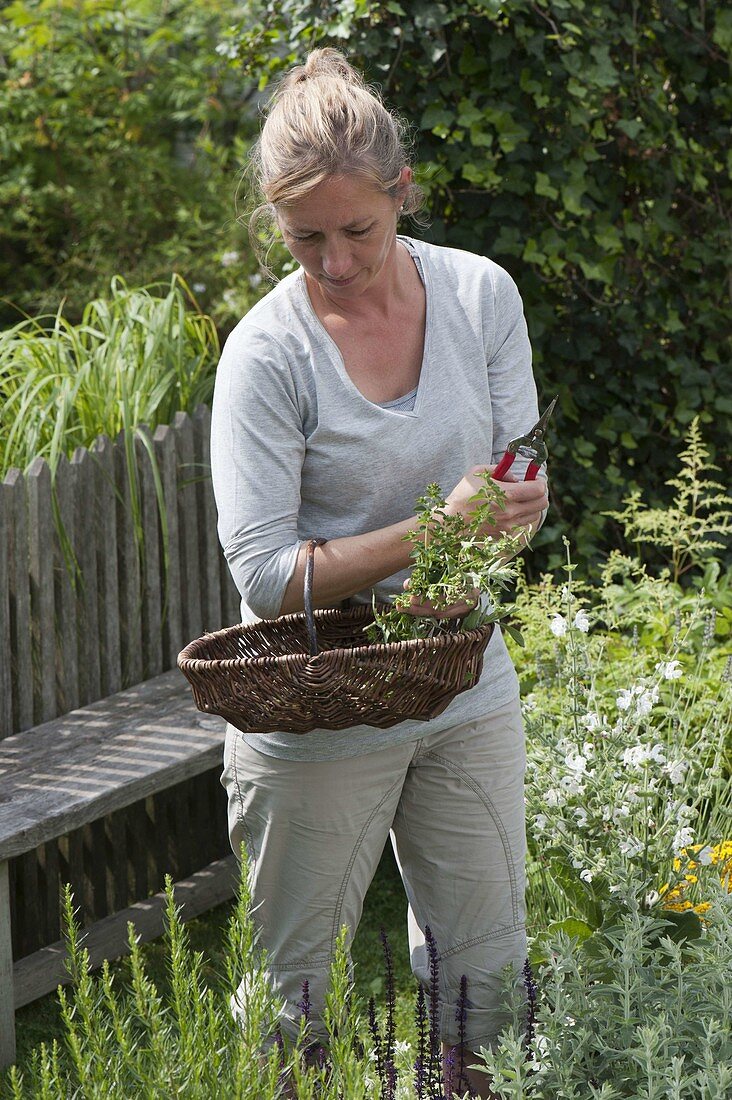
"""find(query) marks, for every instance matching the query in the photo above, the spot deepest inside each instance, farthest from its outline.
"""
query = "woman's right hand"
(524, 504)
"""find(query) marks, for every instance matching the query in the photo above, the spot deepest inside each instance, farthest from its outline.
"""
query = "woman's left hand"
(453, 611)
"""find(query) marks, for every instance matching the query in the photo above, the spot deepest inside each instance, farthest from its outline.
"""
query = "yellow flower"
(720, 857)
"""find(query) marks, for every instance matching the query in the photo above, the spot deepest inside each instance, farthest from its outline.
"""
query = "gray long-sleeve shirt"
(298, 452)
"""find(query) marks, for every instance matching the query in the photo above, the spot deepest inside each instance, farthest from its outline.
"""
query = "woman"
(380, 365)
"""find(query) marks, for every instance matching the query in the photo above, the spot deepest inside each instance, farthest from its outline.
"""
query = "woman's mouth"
(340, 282)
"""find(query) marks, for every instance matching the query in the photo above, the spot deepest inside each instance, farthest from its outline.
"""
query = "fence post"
(64, 568)
(164, 441)
(190, 566)
(6, 685)
(128, 561)
(16, 508)
(208, 543)
(89, 525)
(40, 569)
(152, 627)
(105, 501)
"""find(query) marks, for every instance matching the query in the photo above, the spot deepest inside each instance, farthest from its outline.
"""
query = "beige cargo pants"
(453, 803)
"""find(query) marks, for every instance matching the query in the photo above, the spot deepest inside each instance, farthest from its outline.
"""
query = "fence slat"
(190, 568)
(152, 629)
(40, 569)
(128, 564)
(110, 646)
(15, 503)
(164, 442)
(6, 687)
(86, 528)
(209, 550)
(64, 577)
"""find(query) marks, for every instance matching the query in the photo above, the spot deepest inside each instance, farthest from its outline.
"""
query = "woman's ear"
(405, 179)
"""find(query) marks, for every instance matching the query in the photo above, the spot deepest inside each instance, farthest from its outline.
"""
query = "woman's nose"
(336, 259)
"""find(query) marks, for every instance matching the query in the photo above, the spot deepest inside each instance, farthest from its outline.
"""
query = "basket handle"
(309, 565)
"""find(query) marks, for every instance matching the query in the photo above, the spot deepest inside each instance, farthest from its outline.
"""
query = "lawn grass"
(385, 907)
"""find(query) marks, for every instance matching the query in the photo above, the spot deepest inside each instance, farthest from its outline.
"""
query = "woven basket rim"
(375, 649)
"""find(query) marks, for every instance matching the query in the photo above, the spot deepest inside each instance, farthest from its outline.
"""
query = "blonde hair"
(323, 121)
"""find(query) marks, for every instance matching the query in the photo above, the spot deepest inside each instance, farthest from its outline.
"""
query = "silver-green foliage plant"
(639, 1015)
(453, 561)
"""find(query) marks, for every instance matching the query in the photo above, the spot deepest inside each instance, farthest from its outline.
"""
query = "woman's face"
(343, 233)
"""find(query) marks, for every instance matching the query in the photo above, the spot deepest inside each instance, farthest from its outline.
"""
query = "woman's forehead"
(340, 202)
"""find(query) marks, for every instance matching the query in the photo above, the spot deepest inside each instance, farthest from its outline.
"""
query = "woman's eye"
(307, 237)
(359, 232)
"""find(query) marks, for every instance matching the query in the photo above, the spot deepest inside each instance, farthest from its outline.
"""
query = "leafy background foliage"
(583, 146)
(122, 133)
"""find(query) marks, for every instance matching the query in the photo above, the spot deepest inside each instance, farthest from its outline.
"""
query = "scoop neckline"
(411, 246)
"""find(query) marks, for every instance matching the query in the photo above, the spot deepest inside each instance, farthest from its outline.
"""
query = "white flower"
(637, 756)
(581, 621)
(586, 875)
(581, 816)
(229, 298)
(576, 763)
(684, 839)
(198, 288)
(229, 258)
(705, 856)
(672, 670)
(625, 698)
(554, 797)
(652, 898)
(558, 626)
(227, 49)
(676, 770)
(255, 280)
(631, 846)
(646, 700)
(591, 721)
(541, 821)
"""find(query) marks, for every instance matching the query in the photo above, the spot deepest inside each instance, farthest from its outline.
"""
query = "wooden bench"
(84, 771)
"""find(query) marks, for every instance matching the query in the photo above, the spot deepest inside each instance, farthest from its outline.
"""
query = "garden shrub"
(123, 132)
(584, 146)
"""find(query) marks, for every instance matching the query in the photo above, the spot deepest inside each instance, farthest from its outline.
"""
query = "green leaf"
(544, 186)
(514, 633)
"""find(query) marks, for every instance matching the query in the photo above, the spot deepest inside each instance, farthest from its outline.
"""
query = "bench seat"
(74, 770)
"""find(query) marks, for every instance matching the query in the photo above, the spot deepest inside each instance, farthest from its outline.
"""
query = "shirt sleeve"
(257, 452)
(514, 401)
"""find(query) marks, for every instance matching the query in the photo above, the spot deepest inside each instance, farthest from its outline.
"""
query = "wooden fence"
(87, 605)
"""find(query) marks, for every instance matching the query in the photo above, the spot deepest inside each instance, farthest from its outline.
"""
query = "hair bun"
(325, 62)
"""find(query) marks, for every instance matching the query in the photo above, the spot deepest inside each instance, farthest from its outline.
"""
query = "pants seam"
(494, 934)
(495, 817)
(356, 848)
(241, 817)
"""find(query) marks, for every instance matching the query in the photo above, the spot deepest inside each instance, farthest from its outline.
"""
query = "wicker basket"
(315, 670)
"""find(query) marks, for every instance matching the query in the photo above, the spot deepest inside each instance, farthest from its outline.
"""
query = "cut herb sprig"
(453, 559)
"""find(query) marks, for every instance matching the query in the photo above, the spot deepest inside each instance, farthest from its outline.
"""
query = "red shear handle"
(503, 466)
(532, 471)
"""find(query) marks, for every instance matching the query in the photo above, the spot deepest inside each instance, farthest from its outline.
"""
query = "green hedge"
(123, 130)
(582, 145)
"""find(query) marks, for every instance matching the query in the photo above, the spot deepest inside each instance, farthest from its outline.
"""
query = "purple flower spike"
(531, 998)
(304, 1005)
(435, 1059)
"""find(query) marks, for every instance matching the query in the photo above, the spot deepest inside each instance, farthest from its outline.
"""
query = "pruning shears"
(531, 446)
